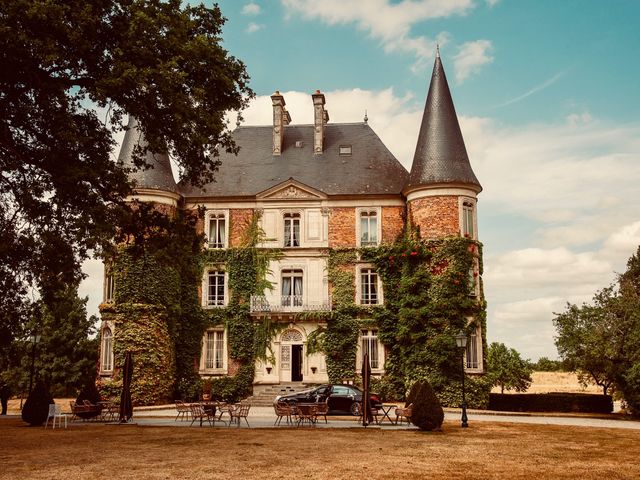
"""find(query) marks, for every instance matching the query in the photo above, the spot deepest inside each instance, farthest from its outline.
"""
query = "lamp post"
(34, 339)
(461, 341)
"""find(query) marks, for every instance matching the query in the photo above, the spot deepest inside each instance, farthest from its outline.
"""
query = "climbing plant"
(426, 286)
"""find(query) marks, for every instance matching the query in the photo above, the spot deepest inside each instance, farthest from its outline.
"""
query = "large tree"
(507, 369)
(601, 341)
(63, 61)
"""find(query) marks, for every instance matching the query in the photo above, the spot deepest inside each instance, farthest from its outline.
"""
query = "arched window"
(107, 350)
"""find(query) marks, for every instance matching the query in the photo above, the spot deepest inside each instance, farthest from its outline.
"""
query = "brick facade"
(392, 223)
(240, 220)
(435, 216)
(342, 227)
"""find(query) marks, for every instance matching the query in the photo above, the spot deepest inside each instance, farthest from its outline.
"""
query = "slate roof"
(440, 155)
(370, 169)
(160, 176)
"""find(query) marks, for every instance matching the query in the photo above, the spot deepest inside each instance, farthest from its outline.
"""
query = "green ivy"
(426, 303)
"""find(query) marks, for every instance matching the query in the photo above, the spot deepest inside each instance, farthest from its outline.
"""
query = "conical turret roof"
(440, 156)
(159, 176)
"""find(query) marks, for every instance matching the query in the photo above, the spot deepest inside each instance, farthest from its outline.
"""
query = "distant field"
(545, 382)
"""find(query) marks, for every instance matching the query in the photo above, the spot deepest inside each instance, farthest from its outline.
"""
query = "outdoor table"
(386, 410)
(209, 407)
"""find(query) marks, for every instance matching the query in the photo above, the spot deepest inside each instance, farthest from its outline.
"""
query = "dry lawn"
(500, 450)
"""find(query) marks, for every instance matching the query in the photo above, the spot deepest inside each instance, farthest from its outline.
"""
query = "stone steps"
(264, 395)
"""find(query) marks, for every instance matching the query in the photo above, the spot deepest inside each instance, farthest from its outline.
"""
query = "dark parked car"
(342, 398)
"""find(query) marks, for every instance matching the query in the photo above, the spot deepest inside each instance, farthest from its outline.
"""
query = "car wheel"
(356, 408)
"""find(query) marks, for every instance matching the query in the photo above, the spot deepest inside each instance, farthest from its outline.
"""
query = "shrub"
(426, 412)
(36, 408)
(89, 392)
(551, 402)
(386, 388)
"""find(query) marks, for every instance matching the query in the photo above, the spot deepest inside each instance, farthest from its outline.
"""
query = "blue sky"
(548, 99)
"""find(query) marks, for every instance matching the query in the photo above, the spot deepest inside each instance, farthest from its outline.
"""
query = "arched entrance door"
(291, 356)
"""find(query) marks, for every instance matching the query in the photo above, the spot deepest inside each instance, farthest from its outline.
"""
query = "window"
(368, 287)
(292, 230)
(368, 228)
(292, 288)
(215, 288)
(369, 345)
(472, 282)
(467, 220)
(214, 350)
(109, 288)
(345, 150)
(217, 231)
(106, 361)
(472, 352)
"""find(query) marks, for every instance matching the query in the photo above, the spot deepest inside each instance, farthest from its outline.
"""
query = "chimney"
(321, 117)
(280, 118)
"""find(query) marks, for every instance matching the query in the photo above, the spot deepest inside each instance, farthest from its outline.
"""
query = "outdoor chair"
(403, 414)
(183, 410)
(306, 413)
(199, 413)
(238, 412)
(283, 410)
(222, 408)
(322, 409)
(55, 411)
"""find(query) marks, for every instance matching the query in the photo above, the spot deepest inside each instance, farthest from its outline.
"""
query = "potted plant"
(206, 389)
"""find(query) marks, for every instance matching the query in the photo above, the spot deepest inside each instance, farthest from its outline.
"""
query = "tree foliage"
(160, 61)
(601, 341)
(545, 364)
(506, 369)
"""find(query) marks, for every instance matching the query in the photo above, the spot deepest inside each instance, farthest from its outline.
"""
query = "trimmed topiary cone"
(36, 408)
(426, 411)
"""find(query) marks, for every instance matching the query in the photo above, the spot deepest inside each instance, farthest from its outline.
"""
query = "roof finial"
(437, 50)
(366, 119)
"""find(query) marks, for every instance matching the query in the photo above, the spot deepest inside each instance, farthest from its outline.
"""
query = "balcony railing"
(288, 303)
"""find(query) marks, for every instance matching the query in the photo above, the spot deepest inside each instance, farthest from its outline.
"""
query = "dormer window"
(291, 229)
(345, 150)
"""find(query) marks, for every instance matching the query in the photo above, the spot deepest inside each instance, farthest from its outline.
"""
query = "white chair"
(55, 411)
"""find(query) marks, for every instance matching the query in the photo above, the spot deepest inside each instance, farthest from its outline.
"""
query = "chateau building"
(315, 188)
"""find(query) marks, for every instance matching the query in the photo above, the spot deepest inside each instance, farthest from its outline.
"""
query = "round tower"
(442, 188)
(153, 184)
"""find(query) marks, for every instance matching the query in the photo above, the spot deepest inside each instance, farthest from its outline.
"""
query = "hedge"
(551, 402)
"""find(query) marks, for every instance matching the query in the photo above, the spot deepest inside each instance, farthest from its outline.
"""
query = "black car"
(342, 398)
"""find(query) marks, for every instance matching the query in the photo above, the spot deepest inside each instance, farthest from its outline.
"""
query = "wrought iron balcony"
(288, 303)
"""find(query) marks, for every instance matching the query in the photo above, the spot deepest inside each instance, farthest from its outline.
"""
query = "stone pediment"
(291, 190)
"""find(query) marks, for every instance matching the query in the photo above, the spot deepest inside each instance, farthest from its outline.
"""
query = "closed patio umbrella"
(126, 407)
(367, 416)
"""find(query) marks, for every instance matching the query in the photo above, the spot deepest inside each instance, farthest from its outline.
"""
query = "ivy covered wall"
(427, 301)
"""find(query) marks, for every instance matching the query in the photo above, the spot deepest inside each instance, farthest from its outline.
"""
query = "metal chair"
(283, 410)
(238, 412)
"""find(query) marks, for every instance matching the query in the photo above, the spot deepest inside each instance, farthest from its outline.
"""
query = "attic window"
(299, 144)
(345, 149)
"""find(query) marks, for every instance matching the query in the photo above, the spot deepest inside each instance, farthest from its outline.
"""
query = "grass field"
(485, 450)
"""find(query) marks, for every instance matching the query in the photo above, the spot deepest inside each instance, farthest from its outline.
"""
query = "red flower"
(413, 254)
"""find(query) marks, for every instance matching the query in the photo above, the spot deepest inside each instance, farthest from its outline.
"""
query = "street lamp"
(461, 341)
(34, 339)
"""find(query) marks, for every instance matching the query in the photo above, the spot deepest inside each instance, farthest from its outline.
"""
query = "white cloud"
(386, 21)
(471, 57)
(251, 9)
(579, 118)
(254, 27)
